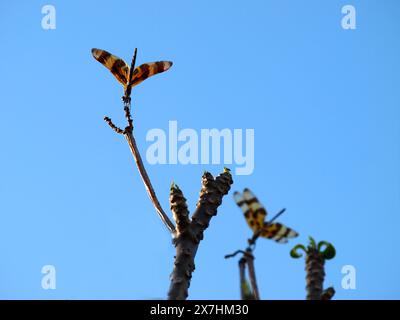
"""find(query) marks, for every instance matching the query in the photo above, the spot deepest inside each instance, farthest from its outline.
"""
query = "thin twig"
(253, 239)
(234, 254)
(128, 133)
(113, 126)
(128, 116)
(146, 180)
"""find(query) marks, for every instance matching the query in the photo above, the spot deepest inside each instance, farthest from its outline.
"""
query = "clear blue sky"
(324, 103)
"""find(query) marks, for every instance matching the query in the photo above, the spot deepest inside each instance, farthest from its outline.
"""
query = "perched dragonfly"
(121, 70)
(255, 215)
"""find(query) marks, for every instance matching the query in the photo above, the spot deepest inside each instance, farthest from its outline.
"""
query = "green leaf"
(329, 252)
(294, 252)
(313, 244)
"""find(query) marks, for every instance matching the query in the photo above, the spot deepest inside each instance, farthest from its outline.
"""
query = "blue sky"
(323, 103)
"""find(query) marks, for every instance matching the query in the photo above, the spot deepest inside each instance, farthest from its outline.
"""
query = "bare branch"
(113, 126)
(179, 209)
(146, 180)
(234, 254)
(128, 116)
(187, 242)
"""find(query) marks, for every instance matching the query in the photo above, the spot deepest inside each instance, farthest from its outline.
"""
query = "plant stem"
(252, 274)
(242, 277)
(146, 180)
(315, 274)
(188, 239)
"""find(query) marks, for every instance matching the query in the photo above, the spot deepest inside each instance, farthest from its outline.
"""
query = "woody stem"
(146, 180)
(315, 274)
(252, 274)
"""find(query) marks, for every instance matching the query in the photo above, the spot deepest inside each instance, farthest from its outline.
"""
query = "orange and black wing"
(253, 211)
(117, 66)
(147, 70)
(278, 232)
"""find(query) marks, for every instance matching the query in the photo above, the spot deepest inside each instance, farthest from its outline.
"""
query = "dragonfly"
(126, 75)
(255, 215)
